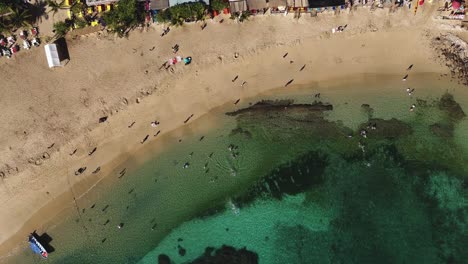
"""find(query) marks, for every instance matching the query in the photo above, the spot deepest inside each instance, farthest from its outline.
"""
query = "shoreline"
(197, 92)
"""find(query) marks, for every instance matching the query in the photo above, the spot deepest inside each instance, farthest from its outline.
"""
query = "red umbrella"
(456, 5)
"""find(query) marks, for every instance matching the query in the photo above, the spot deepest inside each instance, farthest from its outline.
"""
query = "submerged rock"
(281, 105)
(391, 128)
(227, 255)
(442, 130)
(164, 259)
(451, 107)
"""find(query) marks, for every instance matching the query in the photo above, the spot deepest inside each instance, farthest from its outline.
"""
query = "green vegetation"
(124, 17)
(54, 6)
(14, 14)
(219, 5)
(181, 13)
(61, 28)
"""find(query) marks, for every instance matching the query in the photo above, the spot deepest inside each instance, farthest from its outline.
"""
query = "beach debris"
(157, 133)
(188, 119)
(237, 101)
(406, 77)
(186, 165)
(92, 151)
(80, 171)
(119, 226)
(105, 208)
(73, 153)
(144, 140)
(103, 119)
(289, 82)
(285, 55)
(235, 78)
(410, 67)
(130, 126)
(302, 68)
(412, 107)
(51, 146)
(97, 170)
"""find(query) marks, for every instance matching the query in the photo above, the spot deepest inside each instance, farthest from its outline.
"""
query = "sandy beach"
(49, 113)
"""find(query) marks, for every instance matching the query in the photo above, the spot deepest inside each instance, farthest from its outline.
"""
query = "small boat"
(37, 247)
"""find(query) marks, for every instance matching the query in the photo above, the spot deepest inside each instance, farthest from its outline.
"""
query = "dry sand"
(59, 108)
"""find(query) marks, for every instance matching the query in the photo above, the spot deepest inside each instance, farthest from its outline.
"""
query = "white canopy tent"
(52, 55)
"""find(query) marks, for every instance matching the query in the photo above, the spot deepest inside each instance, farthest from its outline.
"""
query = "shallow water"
(289, 184)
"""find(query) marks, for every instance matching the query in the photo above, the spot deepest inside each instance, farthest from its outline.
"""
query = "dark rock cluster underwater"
(396, 188)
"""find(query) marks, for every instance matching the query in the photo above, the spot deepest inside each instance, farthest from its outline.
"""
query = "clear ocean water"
(292, 180)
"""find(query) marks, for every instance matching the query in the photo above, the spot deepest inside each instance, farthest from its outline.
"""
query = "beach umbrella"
(456, 5)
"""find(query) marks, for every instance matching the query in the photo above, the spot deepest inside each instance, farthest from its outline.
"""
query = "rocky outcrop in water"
(455, 52)
(281, 105)
(227, 255)
(223, 255)
(451, 107)
(391, 128)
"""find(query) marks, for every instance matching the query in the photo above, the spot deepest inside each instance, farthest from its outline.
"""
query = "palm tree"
(17, 19)
(55, 7)
(3, 28)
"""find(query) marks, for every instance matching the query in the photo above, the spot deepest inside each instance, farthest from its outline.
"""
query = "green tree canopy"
(219, 5)
(61, 28)
(55, 6)
(178, 14)
(18, 18)
(124, 17)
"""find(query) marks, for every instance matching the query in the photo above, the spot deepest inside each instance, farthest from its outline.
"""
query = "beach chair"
(3, 42)
(6, 53)
(11, 40)
(23, 34)
(108, 7)
(69, 14)
(99, 8)
(34, 31)
(26, 44)
(35, 42)
(94, 23)
(90, 10)
(14, 49)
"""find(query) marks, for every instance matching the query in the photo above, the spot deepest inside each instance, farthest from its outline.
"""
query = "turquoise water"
(291, 181)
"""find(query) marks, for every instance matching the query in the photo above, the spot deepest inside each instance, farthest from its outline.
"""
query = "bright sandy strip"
(62, 105)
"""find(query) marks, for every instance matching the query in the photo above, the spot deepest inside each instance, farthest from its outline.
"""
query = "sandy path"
(42, 107)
